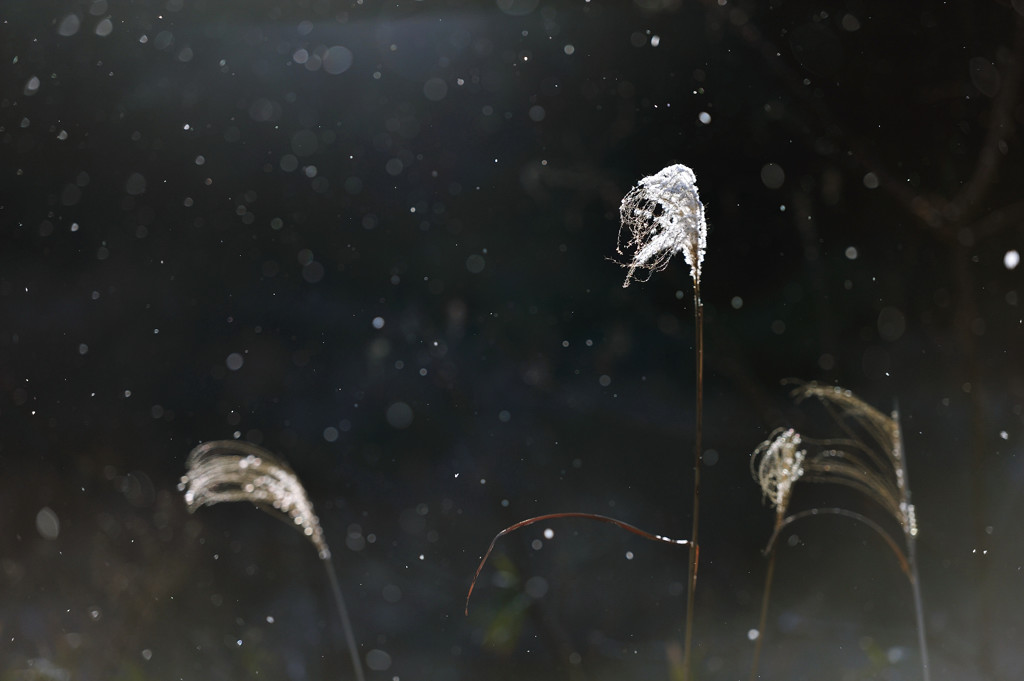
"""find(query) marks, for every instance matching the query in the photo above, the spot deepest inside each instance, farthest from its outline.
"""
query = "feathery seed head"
(229, 470)
(660, 217)
(777, 464)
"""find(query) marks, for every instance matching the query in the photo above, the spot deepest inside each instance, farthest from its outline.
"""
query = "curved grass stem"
(765, 598)
(346, 623)
(572, 514)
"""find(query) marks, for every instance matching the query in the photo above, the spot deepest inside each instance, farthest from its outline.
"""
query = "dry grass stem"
(557, 516)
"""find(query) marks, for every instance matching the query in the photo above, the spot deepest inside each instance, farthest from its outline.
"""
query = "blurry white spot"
(32, 86)
(851, 253)
(104, 28)
(69, 25)
(394, 167)
(871, 181)
(629, 555)
(605, 380)
(337, 60)
(270, 619)
(704, 117)
(234, 361)
(399, 415)
(536, 587)
(1011, 259)
(330, 433)
(736, 302)
(378, 322)
(82, 348)
(549, 533)
(135, 184)
(569, 49)
(710, 457)
(313, 272)
(475, 264)
(536, 544)
(377, 660)
(772, 175)
(504, 416)
(850, 23)
(536, 113)
(752, 634)
(891, 324)
(147, 654)
(655, 40)
(894, 654)
(435, 89)
(1006, 436)
(47, 523)
(392, 593)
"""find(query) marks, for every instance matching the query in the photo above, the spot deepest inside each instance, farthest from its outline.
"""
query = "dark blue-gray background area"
(378, 239)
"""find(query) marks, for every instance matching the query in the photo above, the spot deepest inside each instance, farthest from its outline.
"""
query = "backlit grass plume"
(230, 470)
(869, 459)
(661, 216)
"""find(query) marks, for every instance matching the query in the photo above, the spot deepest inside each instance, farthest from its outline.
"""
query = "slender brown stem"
(765, 597)
(555, 516)
(789, 520)
(698, 455)
(346, 623)
(910, 533)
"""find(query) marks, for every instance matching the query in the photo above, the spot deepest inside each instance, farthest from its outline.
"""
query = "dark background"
(188, 180)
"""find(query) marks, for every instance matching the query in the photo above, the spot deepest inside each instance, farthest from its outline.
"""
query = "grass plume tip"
(230, 470)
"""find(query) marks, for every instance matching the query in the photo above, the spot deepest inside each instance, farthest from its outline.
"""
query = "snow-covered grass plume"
(661, 216)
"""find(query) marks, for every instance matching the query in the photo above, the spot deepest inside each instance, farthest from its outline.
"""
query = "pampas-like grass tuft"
(869, 459)
(230, 470)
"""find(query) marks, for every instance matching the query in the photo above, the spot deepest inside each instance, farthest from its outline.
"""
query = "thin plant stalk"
(557, 516)
(698, 461)
(910, 533)
(781, 523)
(346, 623)
(762, 622)
(915, 586)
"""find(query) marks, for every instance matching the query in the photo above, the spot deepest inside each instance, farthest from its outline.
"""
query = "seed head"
(230, 470)
(661, 216)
